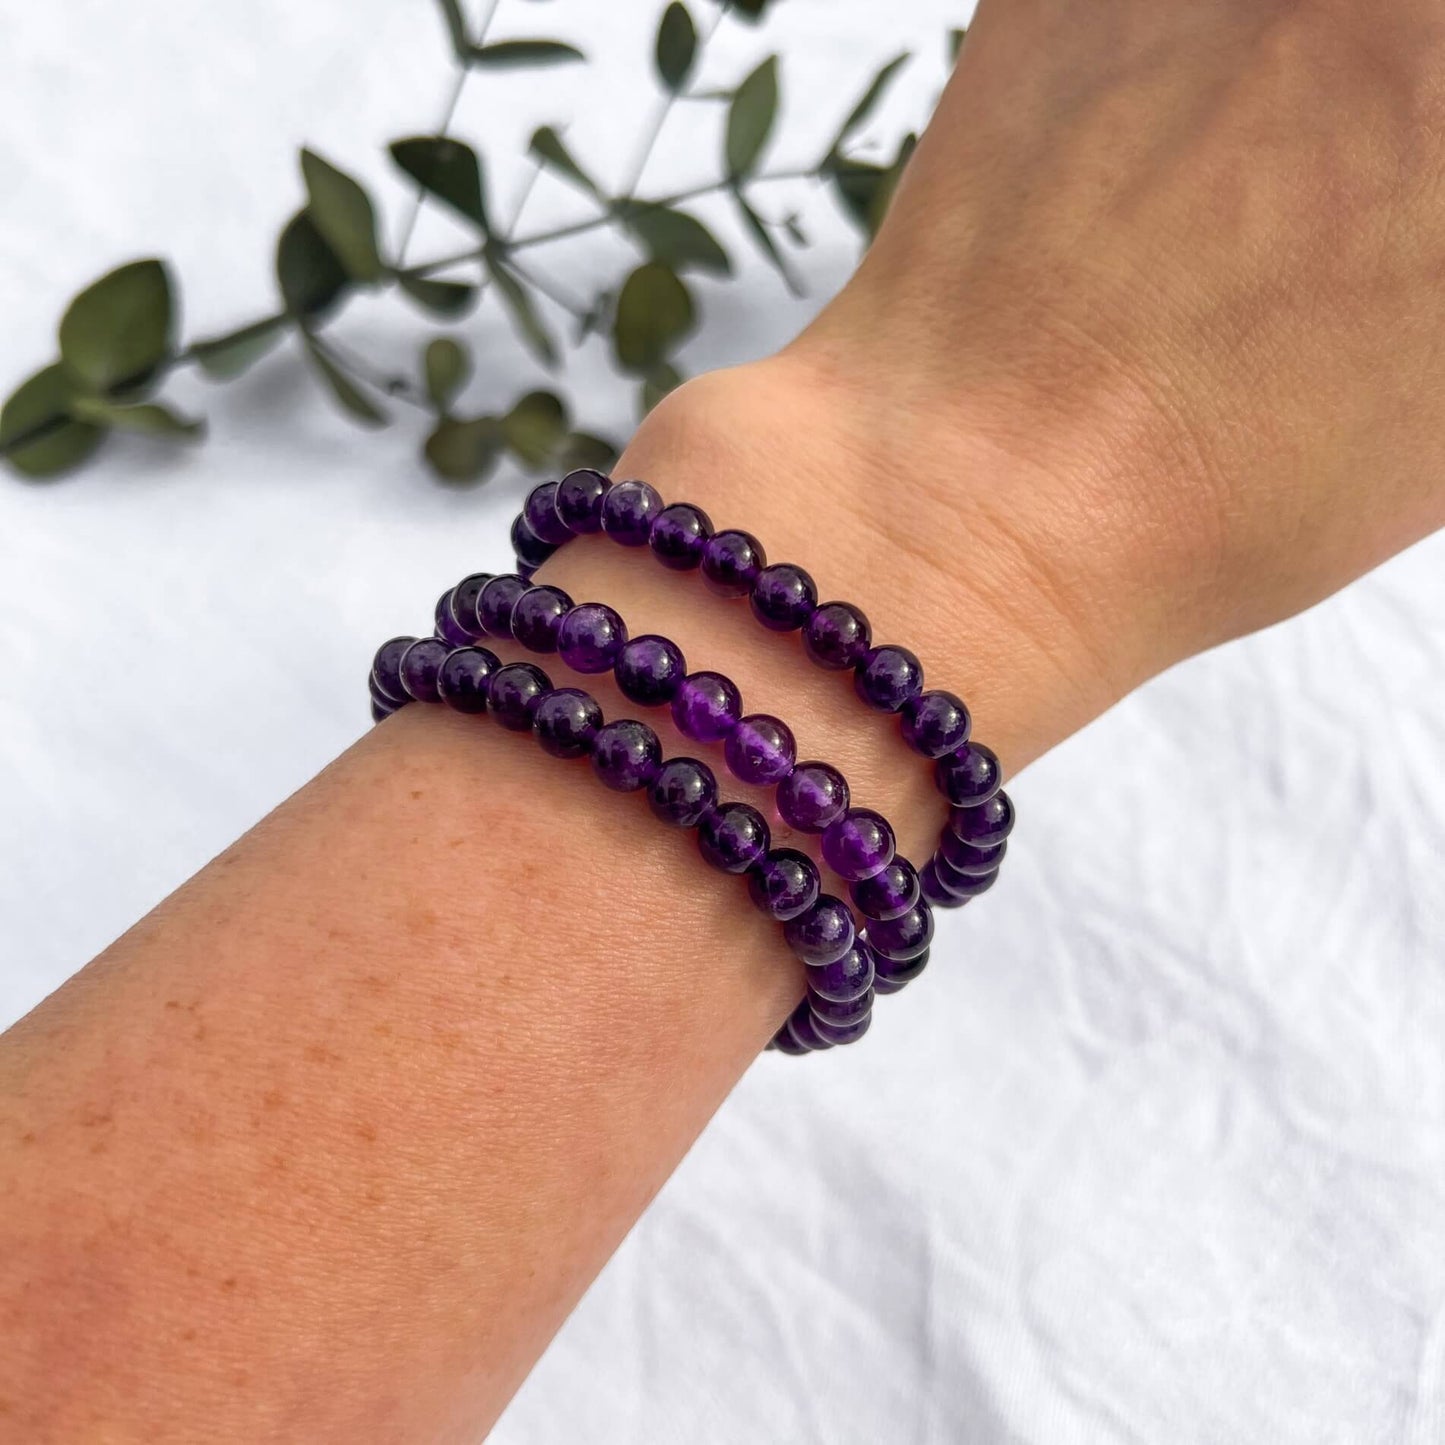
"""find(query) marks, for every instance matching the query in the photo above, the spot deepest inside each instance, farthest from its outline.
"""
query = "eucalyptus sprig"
(118, 339)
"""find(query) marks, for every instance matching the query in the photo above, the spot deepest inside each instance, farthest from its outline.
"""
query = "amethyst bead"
(841, 1034)
(890, 892)
(464, 604)
(784, 884)
(529, 547)
(894, 976)
(626, 755)
(844, 979)
(969, 775)
(813, 796)
(462, 681)
(707, 707)
(837, 636)
(514, 692)
(566, 722)
(591, 637)
(678, 535)
(822, 934)
(888, 677)
(683, 793)
(446, 625)
(935, 723)
(420, 664)
(983, 826)
(931, 889)
(733, 837)
(380, 711)
(968, 858)
(495, 603)
(386, 670)
(380, 702)
(801, 1028)
(731, 562)
(760, 749)
(628, 511)
(858, 844)
(784, 597)
(649, 670)
(537, 616)
(963, 886)
(828, 1011)
(785, 1043)
(579, 501)
(899, 939)
(540, 510)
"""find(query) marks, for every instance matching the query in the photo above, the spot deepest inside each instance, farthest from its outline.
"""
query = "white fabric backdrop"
(1157, 1153)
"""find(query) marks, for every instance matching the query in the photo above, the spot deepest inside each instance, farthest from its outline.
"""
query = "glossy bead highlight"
(678, 535)
(935, 723)
(540, 510)
(590, 637)
(783, 597)
(566, 722)
(650, 670)
(707, 707)
(731, 561)
(462, 680)
(537, 615)
(628, 511)
(822, 934)
(579, 501)
(888, 677)
(626, 755)
(760, 750)
(733, 837)
(813, 796)
(837, 636)
(683, 793)
(495, 603)
(514, 692)
(420, 665)
(784, 884)
(858, 844)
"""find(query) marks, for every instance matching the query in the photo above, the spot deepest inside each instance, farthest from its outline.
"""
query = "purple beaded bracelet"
(836, 636)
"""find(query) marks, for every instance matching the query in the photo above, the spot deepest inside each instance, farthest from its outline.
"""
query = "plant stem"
(361, 370)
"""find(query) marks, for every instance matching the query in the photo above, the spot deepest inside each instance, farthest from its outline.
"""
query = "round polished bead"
(785, 1043)
(838, 635)
(840, 1035)
(626, 755)
(760, 749)
(495, 603)
(963, 885)
(822, 934)
(784, 884)
(825, 1010)
(813, 796)
(420, 664)
(513, 693)
(968, 858)
(649, 670)
(731, 561)
(894, 975)
(733, 837)
(462, 681)
(858, 844)
(804, 1032)
(526, 573)
(683, 793)
(530, 549)
(983, 826)
(707, 707)
(969, 775)
(899, 939)
(540, 510)
(464, 604)
(783, 597)
(628, 510)
(380, 711)
(566, 722)
(678, 535)
(386, 669)
(888, 677)
(888, 893)
(935, 723)
(931, 889)
(380, 701)
(845, 978)
(538, 615)
(446, 624)
(591, 637)
(579, 501)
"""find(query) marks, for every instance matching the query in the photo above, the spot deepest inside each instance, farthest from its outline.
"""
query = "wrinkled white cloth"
(1156, 1151)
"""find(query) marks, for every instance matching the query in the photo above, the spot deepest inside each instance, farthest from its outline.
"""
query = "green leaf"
(524, 313)
(955, 44)
(597, 317)
(676, 46)
(118, 332)
(341, 386)
(674, 237)
(148, 419)
(765, 242)
(343, 213)
(447, 364)
(38, 437)
(456, 27)
(750, 118)
(311, 278)
(750, 10)
(549, 149)
(535, 427)
(858, 116)
(505, 54)
(441, 298)
(663, 378)
(582, 449)
(464, 451)
(225, 357)
(654, 313)
(448, 169)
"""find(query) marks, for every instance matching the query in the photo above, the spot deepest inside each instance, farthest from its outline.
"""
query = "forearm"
(328, 1146)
